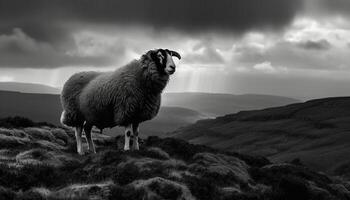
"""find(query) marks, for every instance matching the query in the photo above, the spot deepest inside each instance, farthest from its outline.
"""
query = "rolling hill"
(317, 132)
(28, 88)
(214, 104)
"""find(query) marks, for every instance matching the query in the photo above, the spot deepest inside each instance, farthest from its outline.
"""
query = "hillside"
(214, 104)
(28, 88)
(317, 132)
(39, 162)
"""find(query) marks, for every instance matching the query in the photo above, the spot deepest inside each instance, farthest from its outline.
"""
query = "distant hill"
(213, 104)
(28, 88)
(47, 108)
(317, 132)
(209, 104)
(38, 107)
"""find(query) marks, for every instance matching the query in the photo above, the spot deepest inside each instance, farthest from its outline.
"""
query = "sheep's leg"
(128, 133)
(87, 130)
(135, 138)
(78, 132)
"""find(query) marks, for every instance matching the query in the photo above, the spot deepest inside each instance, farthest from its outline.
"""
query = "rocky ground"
(39, 162)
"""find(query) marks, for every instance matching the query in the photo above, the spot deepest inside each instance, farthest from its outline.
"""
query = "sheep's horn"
(174, 53)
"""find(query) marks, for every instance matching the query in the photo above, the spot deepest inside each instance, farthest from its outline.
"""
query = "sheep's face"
(164, 60)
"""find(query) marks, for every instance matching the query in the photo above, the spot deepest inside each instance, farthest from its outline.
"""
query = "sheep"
(125, 97)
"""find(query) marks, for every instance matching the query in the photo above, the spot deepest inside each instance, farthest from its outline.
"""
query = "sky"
(294, 48)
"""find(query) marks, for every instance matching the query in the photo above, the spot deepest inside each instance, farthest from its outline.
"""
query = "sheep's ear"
(160, 57)
(152, 54)
(156, 56)
(149, 55)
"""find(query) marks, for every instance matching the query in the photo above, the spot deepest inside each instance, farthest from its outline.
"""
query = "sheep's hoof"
(126, 148)
(135, 148)
(92, 151)
(81, 153)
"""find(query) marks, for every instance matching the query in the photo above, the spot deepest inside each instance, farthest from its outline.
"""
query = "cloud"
(21, 51)
(306, 44)
(290, 55)
(204, 54)
(50, 26)
(266, 67)
(52, 20)
(315, 45)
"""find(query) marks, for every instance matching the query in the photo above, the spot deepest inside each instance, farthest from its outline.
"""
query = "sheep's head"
(163, 58)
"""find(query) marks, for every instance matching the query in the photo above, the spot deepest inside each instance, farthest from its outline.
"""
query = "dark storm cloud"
(21, 51)
(315, 45)
(54, 22)
(46, 20)
(48, 60)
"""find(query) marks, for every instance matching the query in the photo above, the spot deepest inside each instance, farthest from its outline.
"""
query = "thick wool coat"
(129, 95)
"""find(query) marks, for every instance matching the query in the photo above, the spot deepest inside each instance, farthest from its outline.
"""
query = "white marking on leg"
(128, 133)
(78, 132)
